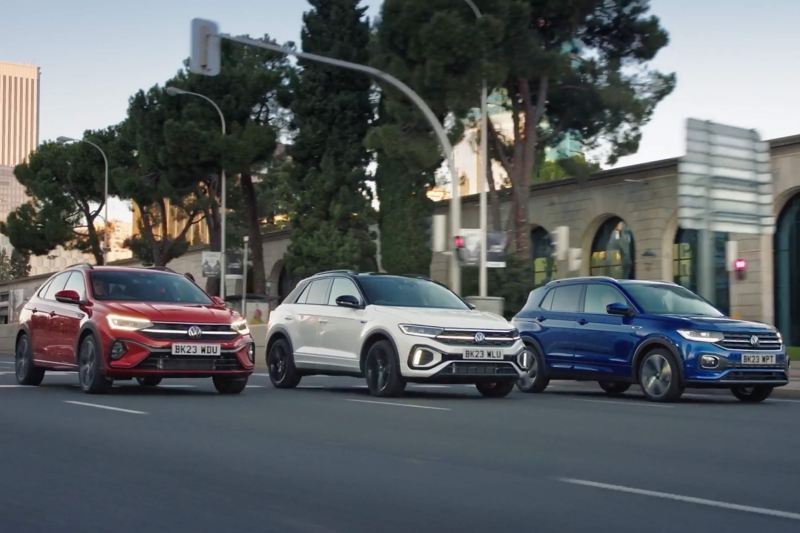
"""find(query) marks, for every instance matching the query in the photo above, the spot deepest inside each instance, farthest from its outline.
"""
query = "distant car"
(120, 323)
(659, 335)
(390, 330)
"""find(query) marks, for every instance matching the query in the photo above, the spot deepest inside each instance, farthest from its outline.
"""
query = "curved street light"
(65, 140)
(175, 91)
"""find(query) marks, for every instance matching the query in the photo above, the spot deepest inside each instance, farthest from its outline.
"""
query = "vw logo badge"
(480, 337)
(754, 340)
(195, 332)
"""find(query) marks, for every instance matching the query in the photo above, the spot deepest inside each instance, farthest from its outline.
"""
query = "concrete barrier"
(8, 335)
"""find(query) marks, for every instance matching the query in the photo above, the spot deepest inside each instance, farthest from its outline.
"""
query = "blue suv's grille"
(751, 341)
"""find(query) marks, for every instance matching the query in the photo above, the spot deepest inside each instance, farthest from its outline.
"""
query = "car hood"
(443, 318)
(165, 312)
(722, 324)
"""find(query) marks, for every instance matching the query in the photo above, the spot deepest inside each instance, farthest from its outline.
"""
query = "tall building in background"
(19, 130)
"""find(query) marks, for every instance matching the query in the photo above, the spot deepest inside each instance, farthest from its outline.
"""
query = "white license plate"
(196, 349)
(476, 353)
(758, 359)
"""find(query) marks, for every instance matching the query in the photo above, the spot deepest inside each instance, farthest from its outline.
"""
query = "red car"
(121, 323)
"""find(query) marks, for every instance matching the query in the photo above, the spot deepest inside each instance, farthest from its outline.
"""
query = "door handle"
(582, 321)
(540, 318)
(323, 320)
(289, 317)
(52, 314)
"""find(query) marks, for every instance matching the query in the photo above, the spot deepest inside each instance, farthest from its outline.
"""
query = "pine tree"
(331, 210)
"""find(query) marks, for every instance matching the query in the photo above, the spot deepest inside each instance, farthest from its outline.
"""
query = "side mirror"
(471, 306)
(218, 302)
(619, 309)
(68, 297)
(348, 300)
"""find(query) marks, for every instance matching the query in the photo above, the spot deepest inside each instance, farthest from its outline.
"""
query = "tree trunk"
(94, 239)
(257, 275)
(494, 201)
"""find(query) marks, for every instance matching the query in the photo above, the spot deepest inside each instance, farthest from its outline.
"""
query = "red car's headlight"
(128, 323)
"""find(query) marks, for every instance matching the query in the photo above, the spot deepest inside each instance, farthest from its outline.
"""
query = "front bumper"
(730, 370)
(150, 357)
(453, 367)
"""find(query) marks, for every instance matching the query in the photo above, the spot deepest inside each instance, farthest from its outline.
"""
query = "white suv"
(391, 330)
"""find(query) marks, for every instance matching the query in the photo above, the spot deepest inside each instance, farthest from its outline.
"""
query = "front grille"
(467, 337)
(743, 341)
(180, 331)
(479, 369)
(757, 375)
(226, 361)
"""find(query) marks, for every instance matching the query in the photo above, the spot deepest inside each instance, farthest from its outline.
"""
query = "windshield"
(408, 292)
(660, 299)
(146, 287)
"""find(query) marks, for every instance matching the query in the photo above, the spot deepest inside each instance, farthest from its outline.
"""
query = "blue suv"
(659, 335)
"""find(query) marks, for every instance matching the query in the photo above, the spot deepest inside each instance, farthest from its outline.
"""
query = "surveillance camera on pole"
(205, 54)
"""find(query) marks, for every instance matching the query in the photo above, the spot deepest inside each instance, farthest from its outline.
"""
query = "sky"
(736, 60)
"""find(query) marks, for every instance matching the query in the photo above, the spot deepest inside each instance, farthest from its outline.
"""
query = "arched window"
(544, 264)
(613, 251)
(686, 262)
(787, 271)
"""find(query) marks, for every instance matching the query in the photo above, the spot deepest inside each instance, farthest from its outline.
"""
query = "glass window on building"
(544, 264)
(787, 272)
(613, 251)
(685, 263)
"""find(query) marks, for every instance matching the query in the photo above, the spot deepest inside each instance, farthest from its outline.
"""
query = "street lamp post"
(441, 134)
(64, 140)
(174, 91)
(483, 215)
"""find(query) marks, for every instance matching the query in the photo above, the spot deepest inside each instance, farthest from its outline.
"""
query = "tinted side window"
(547, 303)
(318, 292)
(56, 285)
(75, 283)
(598, 296)
(567, 299)
(342, 287)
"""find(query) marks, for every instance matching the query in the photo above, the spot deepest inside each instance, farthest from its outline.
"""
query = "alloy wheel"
(87, 367)
(656, 375)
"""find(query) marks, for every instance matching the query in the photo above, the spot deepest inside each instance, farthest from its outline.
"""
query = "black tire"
(91, 373)
(280, 364)
(495, 389)
(614, 388)
(659, 377)
(226, 385)
(149, 381)
(536, 379)
(753, 393)
(27, 372)
(382, 371)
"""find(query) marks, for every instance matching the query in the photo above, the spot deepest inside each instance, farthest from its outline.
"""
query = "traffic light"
(205, 48)
(740, 267)
(560, 242)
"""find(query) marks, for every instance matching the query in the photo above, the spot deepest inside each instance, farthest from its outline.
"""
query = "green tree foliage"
(66, 183)
(14, 265)
(578, 67)
(330, 200)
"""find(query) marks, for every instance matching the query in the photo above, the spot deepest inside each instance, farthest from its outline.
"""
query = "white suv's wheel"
(382, 370)
(280, 363)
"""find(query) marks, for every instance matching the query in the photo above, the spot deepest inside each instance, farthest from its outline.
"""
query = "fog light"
(117, 350)
(421, 357)
(525, 359)
(251, 353)
(709, 361)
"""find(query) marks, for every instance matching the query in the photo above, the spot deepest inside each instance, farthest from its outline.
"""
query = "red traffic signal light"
(459, 241)
(740, 267)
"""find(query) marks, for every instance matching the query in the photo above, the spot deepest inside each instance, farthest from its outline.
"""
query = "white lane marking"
(732, 399)
(420, 386)
(681, 498)
(107, 407)
(176, 386)
(401, 405)
(634, 403)
(4, 373)
(12, 386)
(254, 386)
(7, 363)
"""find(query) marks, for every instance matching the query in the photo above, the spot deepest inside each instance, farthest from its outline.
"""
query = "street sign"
(468, 248)
(211, 267)
(724, 180)
(205, 48)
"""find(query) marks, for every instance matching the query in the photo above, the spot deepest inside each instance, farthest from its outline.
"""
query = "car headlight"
(701, 336)
(240, 327)
(420, 331)
(128, 323)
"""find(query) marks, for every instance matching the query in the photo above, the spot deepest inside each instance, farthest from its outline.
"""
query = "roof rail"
(161, 268)
(584, 278)
(85, 264)
(339, 271)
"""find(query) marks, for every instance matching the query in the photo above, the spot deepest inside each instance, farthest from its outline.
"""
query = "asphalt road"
(328, 457)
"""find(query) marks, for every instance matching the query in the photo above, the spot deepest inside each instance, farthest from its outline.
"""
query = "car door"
(605, 343)
(308, 308)
(46, 331)
(340, 327)
(37, 326)
(559, 319)
(66, 322)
